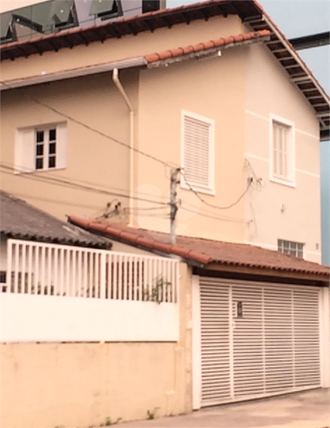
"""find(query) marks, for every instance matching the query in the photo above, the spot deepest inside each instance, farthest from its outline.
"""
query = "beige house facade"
(238, 94)
(93, 122)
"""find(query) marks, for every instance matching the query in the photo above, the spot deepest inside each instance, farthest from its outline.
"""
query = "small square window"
(40, 148)
(294, 249)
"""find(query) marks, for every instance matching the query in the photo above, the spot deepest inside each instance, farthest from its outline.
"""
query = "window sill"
(283, 182)
(206, 191)
(37, 171)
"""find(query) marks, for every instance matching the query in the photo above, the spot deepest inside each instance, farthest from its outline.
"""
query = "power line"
(216, 206)
(90, 128)
(212, 216)
(71, 184)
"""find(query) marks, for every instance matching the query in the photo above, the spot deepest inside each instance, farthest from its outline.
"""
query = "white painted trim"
(291, 154)
(311, 174)
(45, 77)
(262, 159)
(316, 137)
(196, 344)
(211, 189)
(250, 155)
(259, 244)
(308, 134)
(257, 115)
(279, 181)
(325, 337)
(316, 253)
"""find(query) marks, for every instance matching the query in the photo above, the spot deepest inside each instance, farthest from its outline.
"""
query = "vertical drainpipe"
(117, 82)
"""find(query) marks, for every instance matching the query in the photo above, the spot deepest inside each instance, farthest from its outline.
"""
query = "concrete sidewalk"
(304, 410)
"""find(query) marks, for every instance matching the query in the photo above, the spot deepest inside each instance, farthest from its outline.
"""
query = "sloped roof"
(20, 220)
(206, 47)
(250, 12)
(206, 251)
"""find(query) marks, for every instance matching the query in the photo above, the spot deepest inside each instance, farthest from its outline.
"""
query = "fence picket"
(49, 269)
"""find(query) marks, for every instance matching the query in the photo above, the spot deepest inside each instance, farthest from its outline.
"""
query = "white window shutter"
(25, 150)
(61, 148)
(197, 136)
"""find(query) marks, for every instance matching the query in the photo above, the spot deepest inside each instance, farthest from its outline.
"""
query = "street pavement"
(304, 410)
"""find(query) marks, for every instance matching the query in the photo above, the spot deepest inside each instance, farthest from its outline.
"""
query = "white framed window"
(197, 152)
(40, 148)
(295, 249)
(282, 151)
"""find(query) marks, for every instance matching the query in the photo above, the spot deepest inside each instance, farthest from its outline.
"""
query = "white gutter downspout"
(117, 82)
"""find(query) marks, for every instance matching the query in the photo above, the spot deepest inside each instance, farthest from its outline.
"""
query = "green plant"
(158, 290)
(150, 414)
(108, 421)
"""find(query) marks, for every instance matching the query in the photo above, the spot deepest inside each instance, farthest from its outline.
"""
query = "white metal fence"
(61, 293)
(59, 270)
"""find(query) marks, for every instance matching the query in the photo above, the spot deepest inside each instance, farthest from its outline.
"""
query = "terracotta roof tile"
(206, 251)
(204, 46)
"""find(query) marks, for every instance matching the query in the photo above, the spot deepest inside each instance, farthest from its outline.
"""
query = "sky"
(298, 18)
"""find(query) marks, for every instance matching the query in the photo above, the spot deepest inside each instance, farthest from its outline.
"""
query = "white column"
(325, 337)
(196, 344)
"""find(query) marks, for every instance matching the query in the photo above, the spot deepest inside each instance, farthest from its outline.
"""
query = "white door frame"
(196, 344)
(325, 336)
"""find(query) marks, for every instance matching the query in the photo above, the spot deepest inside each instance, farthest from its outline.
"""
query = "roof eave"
(297, 274)
(68, 74)
(206, 53)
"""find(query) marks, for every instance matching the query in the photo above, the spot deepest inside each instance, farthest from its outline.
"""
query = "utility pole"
(173, 202)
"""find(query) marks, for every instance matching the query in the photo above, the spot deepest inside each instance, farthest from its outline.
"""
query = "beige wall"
(269, 91)
(213, 88)
(91, 158)
(80, 384)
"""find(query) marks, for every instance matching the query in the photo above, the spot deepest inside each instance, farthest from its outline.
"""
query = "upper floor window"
(41, 148)
(197, 152)
(295, 249)
(106, 9)
(282, 151)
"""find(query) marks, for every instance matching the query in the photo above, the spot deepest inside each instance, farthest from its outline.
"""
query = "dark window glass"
(52, 162)
(52, 148)
(52, 134)
(150, 5)
(40, 149)
(39, 163)
(40, 136)
(105, 9)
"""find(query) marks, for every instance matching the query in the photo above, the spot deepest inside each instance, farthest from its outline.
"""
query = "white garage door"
(257, 340)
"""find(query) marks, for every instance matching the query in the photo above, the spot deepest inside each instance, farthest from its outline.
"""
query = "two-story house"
(94, 120)
(95, 108)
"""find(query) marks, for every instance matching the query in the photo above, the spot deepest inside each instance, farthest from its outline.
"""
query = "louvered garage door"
(257, 340)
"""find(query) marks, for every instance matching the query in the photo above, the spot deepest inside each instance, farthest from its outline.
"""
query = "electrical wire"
(90, 128)
(212, 205)
(212, 216)
(115, 140)
(70, 184)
